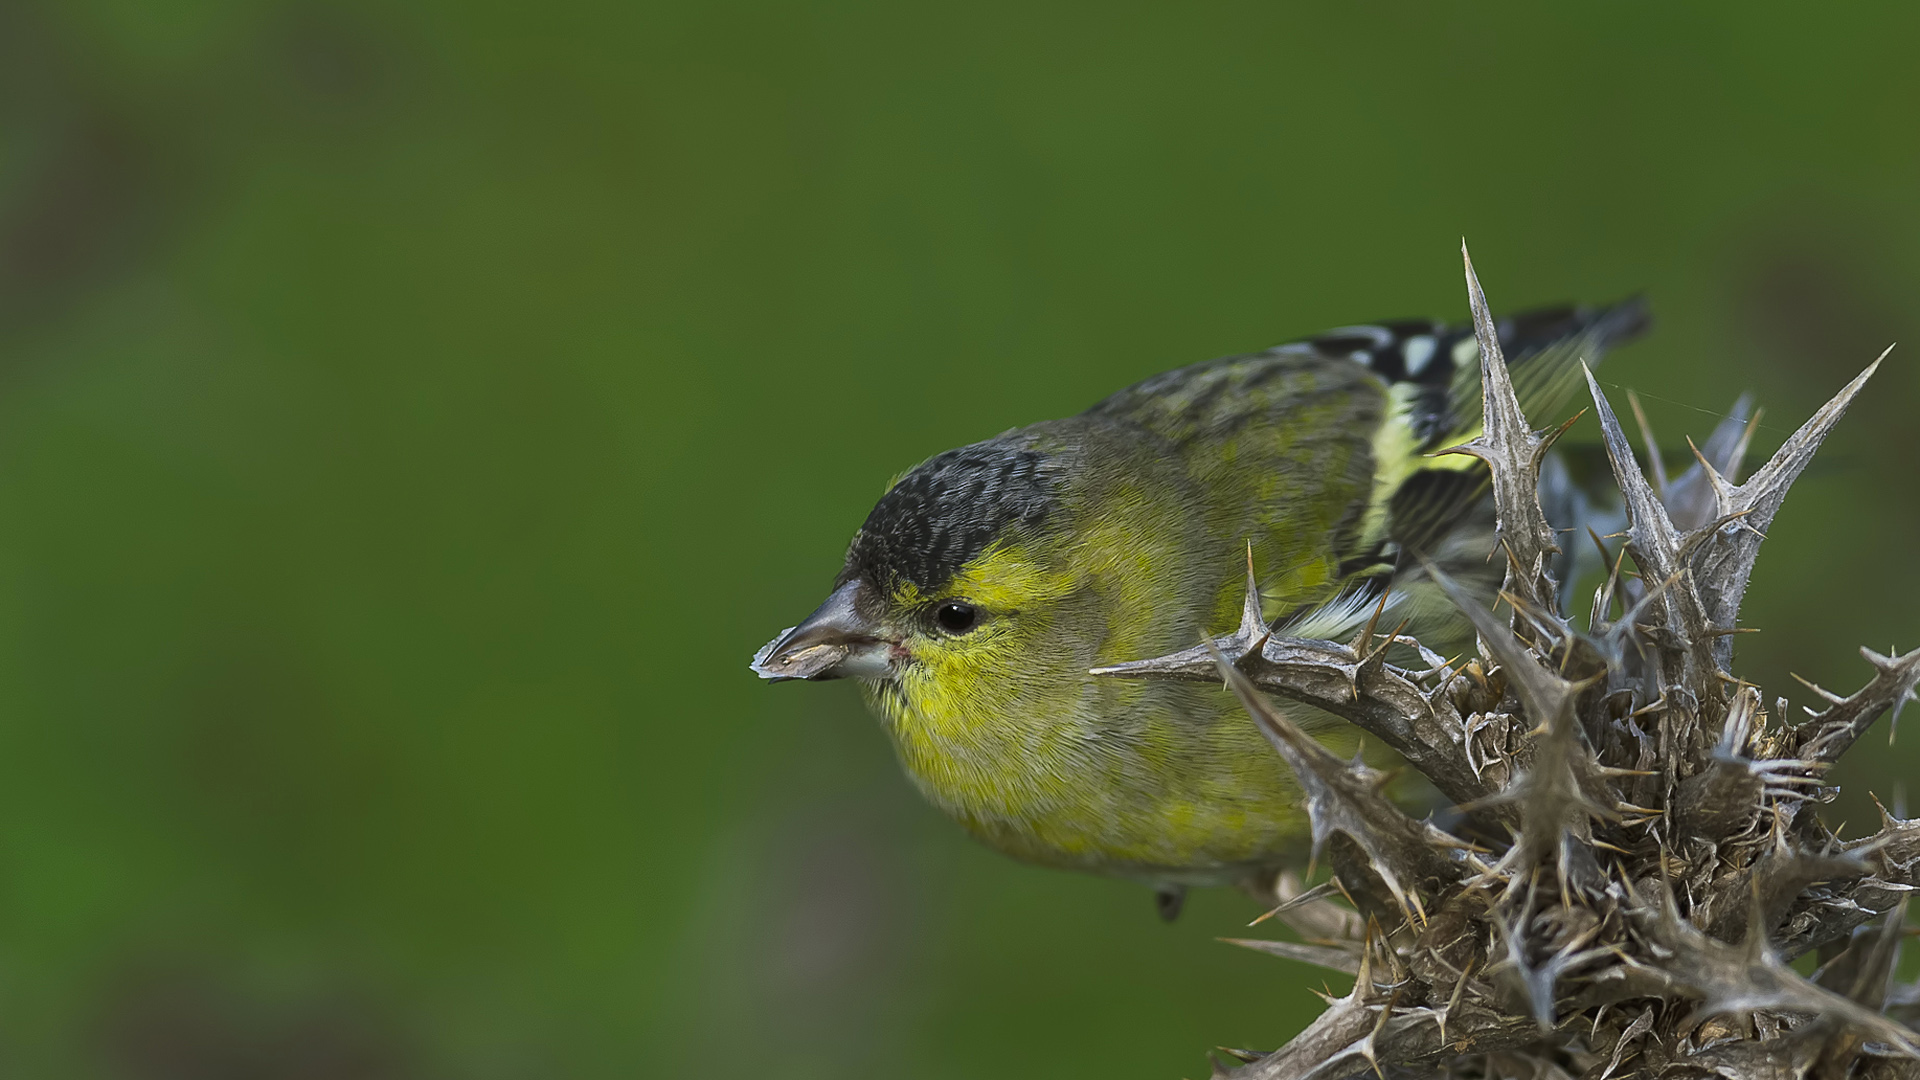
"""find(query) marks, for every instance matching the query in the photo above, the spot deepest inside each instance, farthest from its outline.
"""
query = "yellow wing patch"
(1397, 456)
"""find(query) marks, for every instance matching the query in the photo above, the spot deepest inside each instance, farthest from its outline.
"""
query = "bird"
(989, 580)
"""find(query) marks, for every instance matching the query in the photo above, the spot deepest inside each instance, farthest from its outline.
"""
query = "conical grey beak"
(835, 642)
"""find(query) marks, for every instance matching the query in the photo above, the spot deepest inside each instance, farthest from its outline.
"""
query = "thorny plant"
(1640, 856)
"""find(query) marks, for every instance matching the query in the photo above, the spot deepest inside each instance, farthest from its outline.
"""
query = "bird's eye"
(956, 617)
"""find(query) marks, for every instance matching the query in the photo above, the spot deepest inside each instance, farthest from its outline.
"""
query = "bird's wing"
(1433, 371)
(1440, 364)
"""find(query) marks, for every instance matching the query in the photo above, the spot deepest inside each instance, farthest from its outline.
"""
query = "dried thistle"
(1647, 858)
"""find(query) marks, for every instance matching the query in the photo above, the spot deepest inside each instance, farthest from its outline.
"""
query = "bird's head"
(954, 572)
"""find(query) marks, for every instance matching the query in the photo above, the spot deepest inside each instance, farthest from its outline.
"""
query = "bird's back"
(1316, 451)
(1279, 446)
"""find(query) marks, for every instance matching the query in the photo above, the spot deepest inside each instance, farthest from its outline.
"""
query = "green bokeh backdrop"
(412, 417)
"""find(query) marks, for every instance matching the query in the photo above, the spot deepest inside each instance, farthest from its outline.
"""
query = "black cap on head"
(947, 510)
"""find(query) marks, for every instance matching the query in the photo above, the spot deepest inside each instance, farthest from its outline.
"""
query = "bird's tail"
(1544, 349)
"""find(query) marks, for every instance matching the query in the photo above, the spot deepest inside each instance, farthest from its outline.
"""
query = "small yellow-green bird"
(989, 579)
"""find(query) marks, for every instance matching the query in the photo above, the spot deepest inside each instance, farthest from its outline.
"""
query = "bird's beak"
(835, 642)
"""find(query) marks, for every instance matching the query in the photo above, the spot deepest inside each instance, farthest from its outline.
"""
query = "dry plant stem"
(1512, 453)
(1665, 860)
(1352, 681)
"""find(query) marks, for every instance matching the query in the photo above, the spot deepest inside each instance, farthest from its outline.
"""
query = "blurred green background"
(412, 417)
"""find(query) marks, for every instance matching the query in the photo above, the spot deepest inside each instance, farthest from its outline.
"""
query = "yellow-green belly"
(1173, 783)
